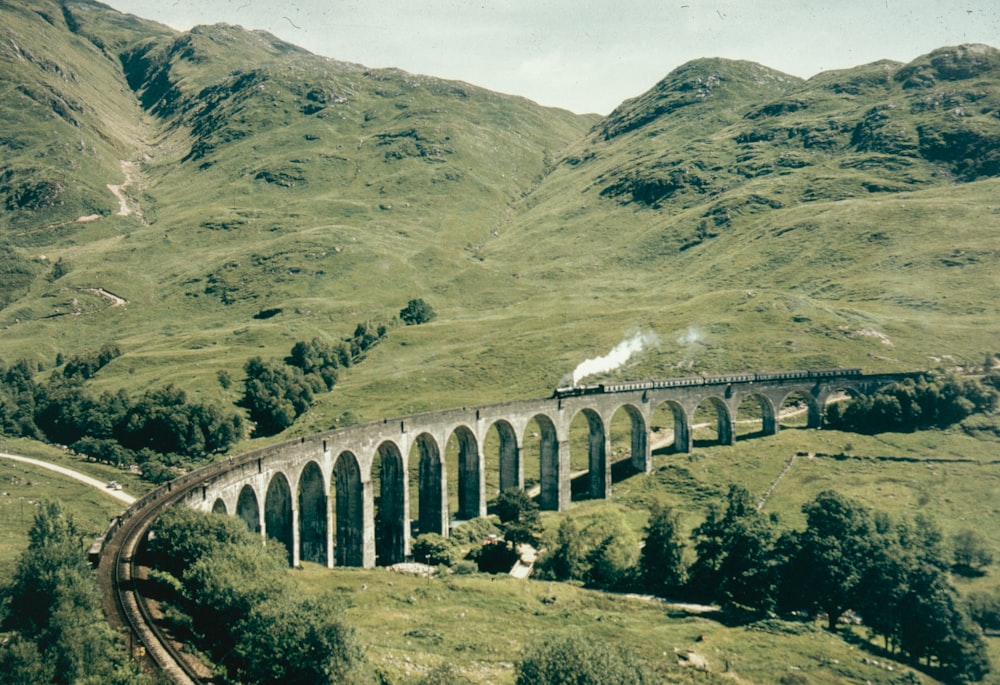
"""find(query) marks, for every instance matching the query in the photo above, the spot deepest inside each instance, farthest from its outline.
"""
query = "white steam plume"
(692, 335)
(622, 352)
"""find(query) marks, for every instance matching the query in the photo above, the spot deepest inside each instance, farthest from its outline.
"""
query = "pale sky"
(590, 55)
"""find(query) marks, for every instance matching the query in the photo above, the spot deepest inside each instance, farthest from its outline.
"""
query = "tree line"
(164, 429)
(50, 612)
(234, 599)
(158, 430)
(916, 404)
(847, 561)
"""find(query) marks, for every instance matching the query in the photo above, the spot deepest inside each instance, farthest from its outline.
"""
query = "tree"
(734, 564)
(613, 551)
(580, 660)
(567, 561)
(274, 395)
(181, 536)
(661, 560)
(22, 664)
(54, 606)
(519, 515)
(416, 312)
(971, 553)
(284, 641)
(434, 549)
(834, 555)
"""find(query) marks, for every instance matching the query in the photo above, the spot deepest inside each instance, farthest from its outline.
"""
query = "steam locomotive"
(725, 379)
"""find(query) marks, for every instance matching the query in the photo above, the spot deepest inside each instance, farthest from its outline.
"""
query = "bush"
(495, 557)
(416, 312)
(474, 530)
(434, 549)
(578, 660)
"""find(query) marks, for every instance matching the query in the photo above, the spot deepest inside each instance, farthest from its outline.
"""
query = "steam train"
(725, 379)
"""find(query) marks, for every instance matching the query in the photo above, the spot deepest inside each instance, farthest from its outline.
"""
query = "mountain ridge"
(727, 196)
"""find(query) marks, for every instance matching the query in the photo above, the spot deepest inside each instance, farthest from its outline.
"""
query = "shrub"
(434, 549)
(579, 660)
(416, 312)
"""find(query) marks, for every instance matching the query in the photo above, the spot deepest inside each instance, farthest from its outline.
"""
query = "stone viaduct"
(343, 497)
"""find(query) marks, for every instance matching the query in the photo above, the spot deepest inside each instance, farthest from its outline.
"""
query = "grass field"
(482, 624)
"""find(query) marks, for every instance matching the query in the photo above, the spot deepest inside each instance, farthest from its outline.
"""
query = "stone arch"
(756, 415)
(247, 508)
(432, 503)
(638, 439)
(391, 522)
(469, 474)
(552, 492)
(278, 513)
(680, 426)
(511, 469)
(723, 420)
(349, 548)
(598, 467)
(814, 413)
(313, 515)
(219, 507)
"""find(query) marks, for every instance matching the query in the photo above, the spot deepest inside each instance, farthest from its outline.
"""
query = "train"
(724, 379)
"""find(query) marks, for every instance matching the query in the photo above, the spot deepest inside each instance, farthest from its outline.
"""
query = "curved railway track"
(124, 606)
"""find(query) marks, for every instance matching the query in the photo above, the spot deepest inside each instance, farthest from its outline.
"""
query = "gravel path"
(82, 477)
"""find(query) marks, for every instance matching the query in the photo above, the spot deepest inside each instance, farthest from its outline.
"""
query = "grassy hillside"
(748, 218)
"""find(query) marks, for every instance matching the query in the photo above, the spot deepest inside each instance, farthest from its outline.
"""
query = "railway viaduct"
(343, 497)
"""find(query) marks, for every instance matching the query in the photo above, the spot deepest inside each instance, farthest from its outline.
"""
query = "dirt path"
(82, 477)
(125, 207)
(115, 300)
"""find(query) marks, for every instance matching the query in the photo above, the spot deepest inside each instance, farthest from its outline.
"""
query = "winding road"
(76, 475)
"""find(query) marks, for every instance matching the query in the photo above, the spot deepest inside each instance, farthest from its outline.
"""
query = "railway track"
(123, 604)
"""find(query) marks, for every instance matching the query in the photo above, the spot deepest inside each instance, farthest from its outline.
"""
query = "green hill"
(845, 219)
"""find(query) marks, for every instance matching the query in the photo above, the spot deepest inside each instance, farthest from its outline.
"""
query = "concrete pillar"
(552, 471)
(683, 438)
(330, 535)
(481, 478)
(367, 524)
(443, 520)
(771, 425)
(727, 430)
(603, 489)
(642, 455)
(510, 459)
(296, 536)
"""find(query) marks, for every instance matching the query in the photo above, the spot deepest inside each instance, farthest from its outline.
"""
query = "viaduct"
(343, 497)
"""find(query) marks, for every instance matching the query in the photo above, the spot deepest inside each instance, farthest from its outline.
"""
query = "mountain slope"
(238, 194)
(794, 223)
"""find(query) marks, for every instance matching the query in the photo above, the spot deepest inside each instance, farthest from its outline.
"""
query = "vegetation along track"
(123, 605)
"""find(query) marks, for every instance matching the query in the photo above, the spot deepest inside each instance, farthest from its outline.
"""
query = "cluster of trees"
(494, 548)
(235, 601)
(276, 392)
(164, 428)
(893, 574)
(416, 312)
(51, 612)
(936, 402)
(161, 428)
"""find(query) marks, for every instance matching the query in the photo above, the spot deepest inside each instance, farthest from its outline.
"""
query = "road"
(76, 475)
